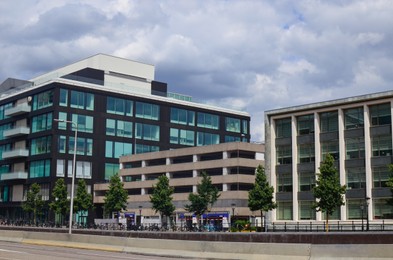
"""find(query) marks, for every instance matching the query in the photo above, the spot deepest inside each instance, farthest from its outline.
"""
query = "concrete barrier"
(202, 249)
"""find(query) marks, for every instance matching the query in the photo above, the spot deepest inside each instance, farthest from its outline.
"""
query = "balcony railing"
(16, 153)
(17, 131)
(14, 176)
(18, 109)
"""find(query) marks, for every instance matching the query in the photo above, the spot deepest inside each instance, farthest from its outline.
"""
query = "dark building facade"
(119, 109)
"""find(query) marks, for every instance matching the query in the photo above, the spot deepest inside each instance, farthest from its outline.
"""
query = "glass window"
(208, 121)
(117, 149)
(382, 145)
(354, 148)
(62, 125)
(354, 209)
(40, 145)
(306, 181)
(207, 139)
(42, 100)
(283, 128)
(119, 106)
(82, 100)
(305, 125)
(63, 100)
(284, 154)
(148, 111)
(85, 123)
(3, 108)
(330, 147)
(83, 169)
(284, 210)
(147, 132)
(306, 153)
(84, 146)
(62, 144)
(381, 209)
(110, 170)
(380, 114)
(142, 148)
(245, 127)
(118, 128)
(329, 121)
(356, 178)
(232, 124)
(4, 128)
(182, 116)
(381, 175)
(180, 136)
(353, 118)
(229, 139)
(306, 212)
(40, 169)
(4, 148)
(60, 168)
(41, 123)
(284, 182)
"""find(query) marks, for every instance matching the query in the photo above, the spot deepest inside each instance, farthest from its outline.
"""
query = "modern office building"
(231, 167)
(357, 131)
(118, 108)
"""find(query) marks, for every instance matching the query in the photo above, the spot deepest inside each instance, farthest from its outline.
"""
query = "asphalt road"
(17, 251)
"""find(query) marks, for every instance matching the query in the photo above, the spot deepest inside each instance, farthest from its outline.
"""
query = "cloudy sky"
(248, 55)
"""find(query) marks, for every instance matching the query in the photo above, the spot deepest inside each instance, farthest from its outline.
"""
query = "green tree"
(205, 197)
(260, 197)
(34, 203)
(61, 204)
(161, 198)
(116, 197)
(328, 190)
(83, 200)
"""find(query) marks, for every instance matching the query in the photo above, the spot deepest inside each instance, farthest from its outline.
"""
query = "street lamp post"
(140, 215)
(362, 209)
(367, 219)
(73, 172)
(233, 213)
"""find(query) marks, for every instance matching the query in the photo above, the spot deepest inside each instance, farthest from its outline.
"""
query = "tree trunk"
(327, 222)
(262, 222)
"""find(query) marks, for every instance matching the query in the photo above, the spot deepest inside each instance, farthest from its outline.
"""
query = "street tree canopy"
(61, 204)
(34, 203)
(83, 200)
(260, 197)
(205, 197)
(116, 197)
(161, 198)
(328, 190)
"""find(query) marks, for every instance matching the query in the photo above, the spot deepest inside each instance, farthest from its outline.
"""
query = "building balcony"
(17, 131)
(18, 109)
(14, 176)
(16, 153)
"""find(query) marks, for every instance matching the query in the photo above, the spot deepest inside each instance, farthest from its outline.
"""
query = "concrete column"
(317, 130)
(271, 164)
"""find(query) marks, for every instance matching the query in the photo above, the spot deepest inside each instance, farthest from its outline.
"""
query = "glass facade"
(143, 148)
(354, 148)
(83, 169)
(284, 154)
(306, 153)
(381, 175)
(207, 139)
(84, 146)
(4, 148)
(2, 109)
(39, 169)
(382, 145)
(110, 170)
(85, 123)
(356, 178)
(353, 118)
(381, 209)
(284, 210)
(284, 182)
(182, 116)
(42, 100)
(283, 128)
(3, 128)
(329, 121)
(118, 128)
(147, 111)
(181, 136)
(380, 114)
(117, 149)
(82, 100)
(306, 181)
(305, 125)
(40, 145)
(119, 106)
(306, 212)
(147, 132)
(206, 120)
(330, 147)
(232, 124)
(63, 99)
(41, 123)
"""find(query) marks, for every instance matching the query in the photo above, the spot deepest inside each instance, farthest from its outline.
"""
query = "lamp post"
(367, 219)
(362, 209)
(140, 215)
(233, 213)
(73, 171)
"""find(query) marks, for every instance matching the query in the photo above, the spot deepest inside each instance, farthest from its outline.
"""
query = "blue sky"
(249, 55)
